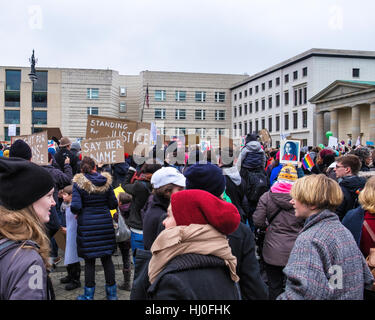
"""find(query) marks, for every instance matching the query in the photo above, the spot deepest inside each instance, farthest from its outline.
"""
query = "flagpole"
(144, 101)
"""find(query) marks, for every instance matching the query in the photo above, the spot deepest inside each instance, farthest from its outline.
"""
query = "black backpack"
(256, 185)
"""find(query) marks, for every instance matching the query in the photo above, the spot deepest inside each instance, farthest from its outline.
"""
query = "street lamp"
(33, 77)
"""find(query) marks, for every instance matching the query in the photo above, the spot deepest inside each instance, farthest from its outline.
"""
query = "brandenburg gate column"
(319, 128)
(372, 121)
(334, 126)
(355, 124)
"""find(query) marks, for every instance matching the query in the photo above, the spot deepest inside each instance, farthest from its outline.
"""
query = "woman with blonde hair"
(26, 197)
(361, 221)
(325, 262)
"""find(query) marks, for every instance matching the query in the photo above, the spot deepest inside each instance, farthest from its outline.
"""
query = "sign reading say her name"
(104, 150)
(131, 132)
(38, 143)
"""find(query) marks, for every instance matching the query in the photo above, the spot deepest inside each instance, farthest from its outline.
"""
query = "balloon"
(329, 134)
(321, 145)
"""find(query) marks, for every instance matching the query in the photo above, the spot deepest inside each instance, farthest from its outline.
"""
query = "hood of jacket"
(253, 146)
(93, 182)
(282, 200)
(233, 174)
(121, 168)
(353, 183)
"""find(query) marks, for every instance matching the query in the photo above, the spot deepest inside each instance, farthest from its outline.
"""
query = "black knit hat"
(22, 183)
(20, 149)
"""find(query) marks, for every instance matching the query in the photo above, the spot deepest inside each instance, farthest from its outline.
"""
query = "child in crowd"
(124, 200)
(71, 257)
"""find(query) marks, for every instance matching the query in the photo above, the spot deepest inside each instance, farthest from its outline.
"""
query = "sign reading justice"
(131, 132)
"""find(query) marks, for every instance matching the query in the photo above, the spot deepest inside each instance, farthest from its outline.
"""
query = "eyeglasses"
(338, 167)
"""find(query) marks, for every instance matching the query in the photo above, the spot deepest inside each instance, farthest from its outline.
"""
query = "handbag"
(122, 231)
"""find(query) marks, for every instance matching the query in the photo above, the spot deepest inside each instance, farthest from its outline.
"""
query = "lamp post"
(33, 78)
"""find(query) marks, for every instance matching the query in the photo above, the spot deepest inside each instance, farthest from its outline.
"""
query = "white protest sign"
(332, 142)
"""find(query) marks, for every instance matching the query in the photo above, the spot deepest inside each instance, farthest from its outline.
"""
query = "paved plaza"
(62, 294)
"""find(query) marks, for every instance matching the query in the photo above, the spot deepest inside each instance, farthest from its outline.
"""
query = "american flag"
(147, 97)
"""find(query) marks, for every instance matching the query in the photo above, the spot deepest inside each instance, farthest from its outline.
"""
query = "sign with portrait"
(38, 142)
(104, 150)
(289, 151)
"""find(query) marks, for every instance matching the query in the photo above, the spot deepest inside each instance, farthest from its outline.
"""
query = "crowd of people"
(225, 224)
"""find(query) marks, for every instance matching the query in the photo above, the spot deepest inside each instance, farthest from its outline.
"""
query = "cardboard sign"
(192, 139)
(131, 132)
(225, 142)
(104, 150)
(38, 143)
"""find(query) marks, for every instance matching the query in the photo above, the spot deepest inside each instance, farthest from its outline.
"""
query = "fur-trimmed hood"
(93, 183)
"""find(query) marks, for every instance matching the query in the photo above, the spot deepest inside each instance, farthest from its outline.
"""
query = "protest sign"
(332, 142)
(12, 128)
(132, 132)
(38, 143)
(104, 150)
(290, 151)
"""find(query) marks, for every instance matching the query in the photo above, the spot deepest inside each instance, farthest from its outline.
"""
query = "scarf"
(195, 238)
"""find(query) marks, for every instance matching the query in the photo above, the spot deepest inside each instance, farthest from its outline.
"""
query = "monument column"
(319, 128)
(334, 128)
(355, 124)
(372, 122)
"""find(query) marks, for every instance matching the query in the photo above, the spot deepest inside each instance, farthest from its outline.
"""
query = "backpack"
(256, 185)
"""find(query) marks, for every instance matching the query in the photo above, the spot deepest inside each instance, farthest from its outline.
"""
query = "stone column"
(334, 127)
(372, 122)
(319, 128)
(355, 124)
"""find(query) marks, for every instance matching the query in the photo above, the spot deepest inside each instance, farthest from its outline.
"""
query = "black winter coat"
(93, 198)
(242, 243)
(60, 157)
(349, 186)
(140, 190)
(151, 220)
(194, 277)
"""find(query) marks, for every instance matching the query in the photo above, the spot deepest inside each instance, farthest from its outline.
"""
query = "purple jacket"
(23, 275)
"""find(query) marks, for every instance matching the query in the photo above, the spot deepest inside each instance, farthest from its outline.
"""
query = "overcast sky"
(214, 36)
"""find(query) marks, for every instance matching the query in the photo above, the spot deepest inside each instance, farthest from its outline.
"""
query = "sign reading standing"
(128, 130)
(104, 150)
(38, 143)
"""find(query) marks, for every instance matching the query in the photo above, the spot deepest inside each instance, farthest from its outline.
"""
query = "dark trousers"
(125, 253)
(109, 271)
(276, 280)
(74, 271)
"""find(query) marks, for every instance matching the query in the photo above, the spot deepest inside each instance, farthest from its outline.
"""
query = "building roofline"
(305, 55)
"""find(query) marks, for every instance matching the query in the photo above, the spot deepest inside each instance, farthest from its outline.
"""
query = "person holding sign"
(92, 200)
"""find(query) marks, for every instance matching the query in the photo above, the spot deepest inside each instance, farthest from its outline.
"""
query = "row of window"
(248, 125)
(270, 84)
(200, 96)
(180, 114)
(300, 98)
(13, 117)
(202, 132)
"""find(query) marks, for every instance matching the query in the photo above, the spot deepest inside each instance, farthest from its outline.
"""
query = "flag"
(307, 162)
(147, 97)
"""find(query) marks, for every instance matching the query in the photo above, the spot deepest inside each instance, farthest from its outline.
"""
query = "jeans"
(124, 249)
(109, 271)
(136, 242)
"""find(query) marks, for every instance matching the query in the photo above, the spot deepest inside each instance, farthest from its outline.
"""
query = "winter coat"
(284, 229)
(194, 277)
(242, 243)
(60, 157)
(61, 179)
(235, 188)
(251, 157)
(92, 200)
(353, 221)
(323, 252)
(158, 207)
(140, 190)
(119, 173)
(349, 186)
(367, 241)
(19, 268)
